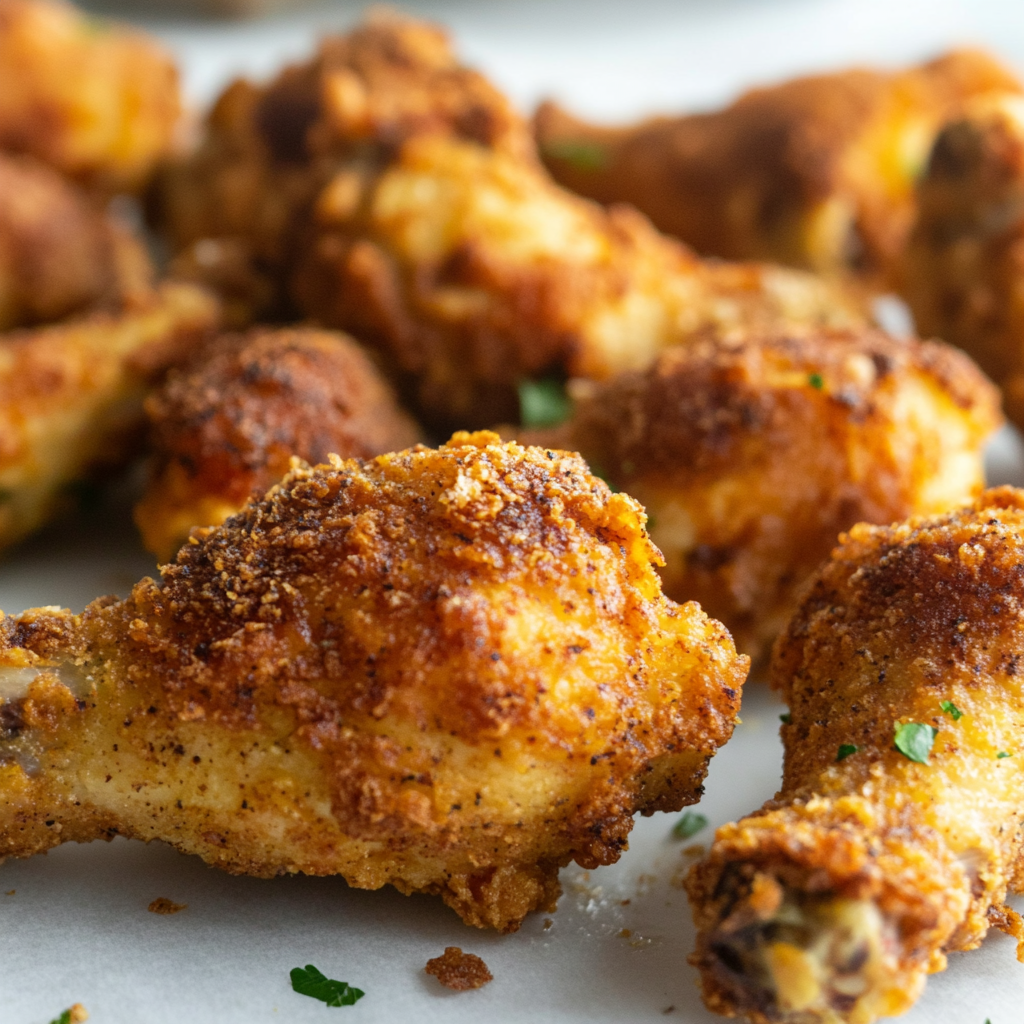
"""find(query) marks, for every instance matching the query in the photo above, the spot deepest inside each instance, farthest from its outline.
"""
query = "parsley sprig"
(845, 750)
(582, 154)
(308, 981)
(914, 740)
(951, 709)
(543, 403)
(689, 825)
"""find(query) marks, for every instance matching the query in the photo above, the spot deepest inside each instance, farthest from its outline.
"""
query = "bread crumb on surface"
(459, 971)
(77, 1013)
(10, 892)
(162, 905)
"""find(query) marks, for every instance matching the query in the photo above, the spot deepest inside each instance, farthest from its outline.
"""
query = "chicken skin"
(816, 172)
(99, 103)
(230, 424)
(449, 670)
(898, 830)
(751, 457)
(963, 273)
(386, 190)
(59, 254)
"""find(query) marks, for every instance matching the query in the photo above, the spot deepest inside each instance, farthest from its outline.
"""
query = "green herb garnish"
(785, 718)
(845, 750)
(689, 825)
(543, 403)
(583, 155)
(1003, 753)
(951, 709)
(914, 740)
(816, 381)
(308, 981)
(64, 1018)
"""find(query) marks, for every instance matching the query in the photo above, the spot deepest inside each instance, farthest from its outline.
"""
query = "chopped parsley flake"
(689, 825)
(785, 718)
(1003, 753)
(845, 750)
(915, 740)
(308, 981)
(581, 154)
(816, 381)
(543, 403)
(951, 709)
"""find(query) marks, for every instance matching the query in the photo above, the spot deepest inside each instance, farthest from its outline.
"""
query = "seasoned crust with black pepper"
(230, 423)
(449, 670)
(752, 456)
(834, 901)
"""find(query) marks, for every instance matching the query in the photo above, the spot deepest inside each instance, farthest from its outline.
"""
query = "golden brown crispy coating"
(449, 670)
(71, 396)
(834, 901)
(751, 457)
(816, 172)
(230, 423)
(59, 254)
(99, 103)
(386, 190)
(963, 273)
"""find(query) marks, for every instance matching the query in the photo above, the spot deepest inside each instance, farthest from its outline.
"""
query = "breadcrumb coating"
(835, 900)
(751, 457)
(449, 670)
(230, 424)
(384, 189)
(816, 172)
(98, 102)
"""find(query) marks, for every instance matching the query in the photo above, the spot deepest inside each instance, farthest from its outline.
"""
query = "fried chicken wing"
(71, 396)
(963, 272)
(898, 829)
(816, 172)
(751, 457)
(230, 424)
(386, 190)
(59, 254)
(449, 670)
(98, 102)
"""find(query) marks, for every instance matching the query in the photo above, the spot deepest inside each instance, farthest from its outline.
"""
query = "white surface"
(77, 929)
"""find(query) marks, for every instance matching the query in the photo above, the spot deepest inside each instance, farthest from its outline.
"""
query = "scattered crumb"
(10, 892)
(624, 903)
(459, 971)
(696, 850)
(162, 905)
(626, 933)
(547, 923)
(669, 1009)
(74, 1014)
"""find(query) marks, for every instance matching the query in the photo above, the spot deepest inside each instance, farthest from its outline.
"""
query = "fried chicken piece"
(71, 396)
(834, 901)
(816, 172)
(230, 424)
(59, 254)
(449, 670)
(98, 102)
(386, 190)
(751, 457)
(963, 273)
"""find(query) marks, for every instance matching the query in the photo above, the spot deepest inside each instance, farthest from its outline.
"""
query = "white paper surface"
(76, 927)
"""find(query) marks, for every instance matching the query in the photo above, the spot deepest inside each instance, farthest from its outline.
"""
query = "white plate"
(76, 927)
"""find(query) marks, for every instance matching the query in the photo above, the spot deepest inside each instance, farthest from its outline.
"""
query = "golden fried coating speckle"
(834, 901)
(963, 271)
(230, 424)
(816, 172)
(449, 670)
(459, 971)
(405, 203)
(59, 254)
(751, 457)
(98, 102)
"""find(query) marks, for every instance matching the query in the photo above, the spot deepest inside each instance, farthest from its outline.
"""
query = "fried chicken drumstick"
(898, 829)
(384, 189)
(229, 424)
(816, 172)
(751, 457)
(449, 670)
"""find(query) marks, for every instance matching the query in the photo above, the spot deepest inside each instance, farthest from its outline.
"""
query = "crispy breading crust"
(71, 395)
(59, 254)
(448, 670)
(230, 423)
(405, 203)
(99, 103)
(816, 172)
(963, 271)
(900, 619)
(752, 456)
